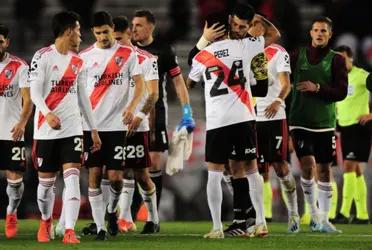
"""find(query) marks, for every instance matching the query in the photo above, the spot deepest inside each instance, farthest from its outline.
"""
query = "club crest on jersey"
(8, 73)
(55, 68)
(39, 161)
(74, 68)
(119, 60)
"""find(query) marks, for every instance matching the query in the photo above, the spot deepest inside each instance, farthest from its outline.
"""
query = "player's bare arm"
(181, 90)
(270, 32)
(87, 112)
(285, 83)
(152, 88)
(138, 93)
(19, 129)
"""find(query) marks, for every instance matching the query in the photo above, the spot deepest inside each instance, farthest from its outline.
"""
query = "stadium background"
(178, 22)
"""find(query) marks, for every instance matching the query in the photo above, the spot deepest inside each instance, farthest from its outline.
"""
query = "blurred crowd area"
(180, 23)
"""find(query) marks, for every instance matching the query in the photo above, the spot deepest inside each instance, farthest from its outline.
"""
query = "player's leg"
(240, 187)
(138, 160)
(70, 156)
(105, 188)
(361, 198)
(125, 221)
(94, 162)
(116, 184)
(217, 150)
(279, 156)
(303, 144)
(324, 151)
(114, 161)
(12, 160)
(267, 193)
(288, 186)
(45, 158)
(60, 227)
(158, 158)
(362, 150)
(148, 191)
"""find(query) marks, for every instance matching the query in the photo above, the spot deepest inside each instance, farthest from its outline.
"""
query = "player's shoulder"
(87, 51)
(43, 52)
(275, 50)
(144, 53)
(17, 59)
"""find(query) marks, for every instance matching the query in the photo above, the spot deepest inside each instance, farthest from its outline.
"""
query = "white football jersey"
(278, 61)
(225, 66)
(56, 76)
(149, 68)
(108, 73)
(13, 76)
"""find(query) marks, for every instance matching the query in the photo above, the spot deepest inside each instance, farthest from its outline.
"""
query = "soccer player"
(355, 140)
(137, 159)
(272, 130)
(108, 68)
(143, 27)
(225, 66)
(240, 22)
(15, 110)
(57, 93)
(319, 80)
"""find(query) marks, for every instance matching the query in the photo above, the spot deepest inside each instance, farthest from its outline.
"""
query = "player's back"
(225, 66)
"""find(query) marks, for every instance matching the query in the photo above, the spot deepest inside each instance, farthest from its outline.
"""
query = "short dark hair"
(220, 17)
(101, 18)
(323, 19)
(147, 14)
(120, 23)
(243, 11)
(346, 49)
(4, 30)
(63, 21)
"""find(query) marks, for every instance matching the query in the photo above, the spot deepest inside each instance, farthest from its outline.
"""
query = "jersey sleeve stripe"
(175, 71)
(270, 52)
(113, 67)
(209, 60)
(55, 96)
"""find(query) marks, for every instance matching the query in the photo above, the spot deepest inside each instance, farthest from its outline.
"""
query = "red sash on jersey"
(270, 52)
(55, 97)
(209, 60)
(113, 67)
(7, 75)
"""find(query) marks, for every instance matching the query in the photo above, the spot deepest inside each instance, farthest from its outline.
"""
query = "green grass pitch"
(188, 235)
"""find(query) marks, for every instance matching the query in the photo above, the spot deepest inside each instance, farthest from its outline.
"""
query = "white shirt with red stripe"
(278, 61)
(148, 65)
(108, 73)
(228, 100)
(53, 85)
(13, 76)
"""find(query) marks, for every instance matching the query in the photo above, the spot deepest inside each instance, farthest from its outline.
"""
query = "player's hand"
(133, 126)
(272, 109)
(363, 119)
(187, 122)
(127, 116)
(307, 86)
(17, 131)
(213, 32)
(96, 141)
(53, 121)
